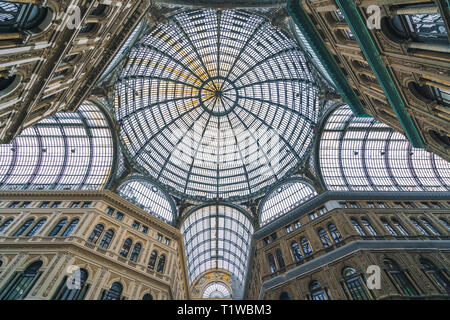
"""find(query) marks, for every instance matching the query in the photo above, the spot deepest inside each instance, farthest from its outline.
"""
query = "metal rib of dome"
(216, 104)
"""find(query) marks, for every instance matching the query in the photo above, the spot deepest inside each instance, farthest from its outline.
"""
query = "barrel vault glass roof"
(216, 104)
(217, 236)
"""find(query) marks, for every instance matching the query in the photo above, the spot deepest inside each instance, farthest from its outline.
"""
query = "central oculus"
(216, 104)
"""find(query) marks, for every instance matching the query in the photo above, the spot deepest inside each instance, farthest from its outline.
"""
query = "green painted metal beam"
(304, 23)
(370, 50)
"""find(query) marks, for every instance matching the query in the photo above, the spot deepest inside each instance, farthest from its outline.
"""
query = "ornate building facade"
(272, 149)
(121, 250)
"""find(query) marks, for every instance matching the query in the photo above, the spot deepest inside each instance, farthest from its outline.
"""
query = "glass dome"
(216, 105)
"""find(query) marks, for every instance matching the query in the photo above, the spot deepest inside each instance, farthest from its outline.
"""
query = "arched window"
(430, 227)
(334, 233)
(114, 292)
(280, 259)
(161, 263)
(429, 93)
(6, 224)
(419, 227)
(73, 287)
(70, 228)
(9, 84)
(152, 260)
(23, 228)
(107, 239)
(135, 253)
(15, 17)
(126, 247)
(148, 197)
(147, 296)
(442, 220)
(217, 236)
(389, 227)
(216, 290)
(435, 275)
(98, 10)
(285, 296)
(316, 291)
(358, 228)
(271, 261)
(296, 251)
(442, 139)
(324, 238)
(36, 227)
(399, 226)
(21, 282)
(305, 246)
(96, 233)
(354, 284)
(58, 227)
(400, 278)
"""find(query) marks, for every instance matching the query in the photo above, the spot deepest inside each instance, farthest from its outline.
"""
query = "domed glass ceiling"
(216, 104)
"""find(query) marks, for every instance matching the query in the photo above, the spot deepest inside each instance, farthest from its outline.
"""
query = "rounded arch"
(283, 198)
(423, 93)
(179, 151)
(68, 151)
(441, 139)
(101, 10)
(363, 154)
(149, 197)
(217, 236)
(9, 85)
